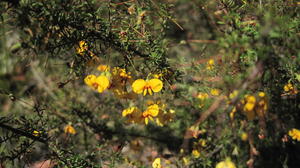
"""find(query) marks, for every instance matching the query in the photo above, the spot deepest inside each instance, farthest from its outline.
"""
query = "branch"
(23, 133)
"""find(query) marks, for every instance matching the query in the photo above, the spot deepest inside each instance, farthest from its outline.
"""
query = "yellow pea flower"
(149, 86)
(295, 134)
(90, 80)
(128, 111)
(99, 83)
(244, 136)
(233, 94)
(82, 48)
(186, 161)
(133, 114)
(151, 111)
(250, 103)
(202, 96)
(232, 113)
(196, 153)
(226, 164)
(118, 72)
(68, 129)
(202, 142)
(36, 133)
(261, 94)
(288, 87)
(249, 106)
(103, 68)
(210, 64)
(215, 92)
(156, 163)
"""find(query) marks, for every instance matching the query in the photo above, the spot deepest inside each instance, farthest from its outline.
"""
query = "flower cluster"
(118, 81)
(289, 89)
(82, 48)
(154, 112)
(99, 83)
(250, 105)
(199, 147)
(115, 80)
(295, 134)
(203, 97)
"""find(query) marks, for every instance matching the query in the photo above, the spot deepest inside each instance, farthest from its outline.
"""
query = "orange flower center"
(95, 85)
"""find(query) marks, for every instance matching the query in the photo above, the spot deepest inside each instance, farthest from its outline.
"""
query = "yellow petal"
(90, 79)
(68, 129)
(102, 82)
(156, 163)
(155, 84)
(149, 91)
(153, 110)
(138, 86)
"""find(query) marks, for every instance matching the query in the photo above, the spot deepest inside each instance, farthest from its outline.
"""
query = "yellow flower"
(99, 83)
(226, 164)
(202, 96)
(232, 113)
(128, 111)
(141, 86)
(288, 87)
(151, 111)
(90, 80)
(215, 92)
(68, 129)
(202, 142)
(196, 153)
(262, 107)
(156, 163)
(133, 114)
(210, 64)
(141, 17)
(244, 136)
(120, 77)
(36, 133)
(121, 72)
(261, 94)
(250, 103)
(103, 68)
(102, 82)
(233, 94)
(159, 75)
(82, 48)
(295, 134)
(249, 106)
(186, 161)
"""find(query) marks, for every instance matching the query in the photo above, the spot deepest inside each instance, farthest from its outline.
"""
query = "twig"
(23, 133)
